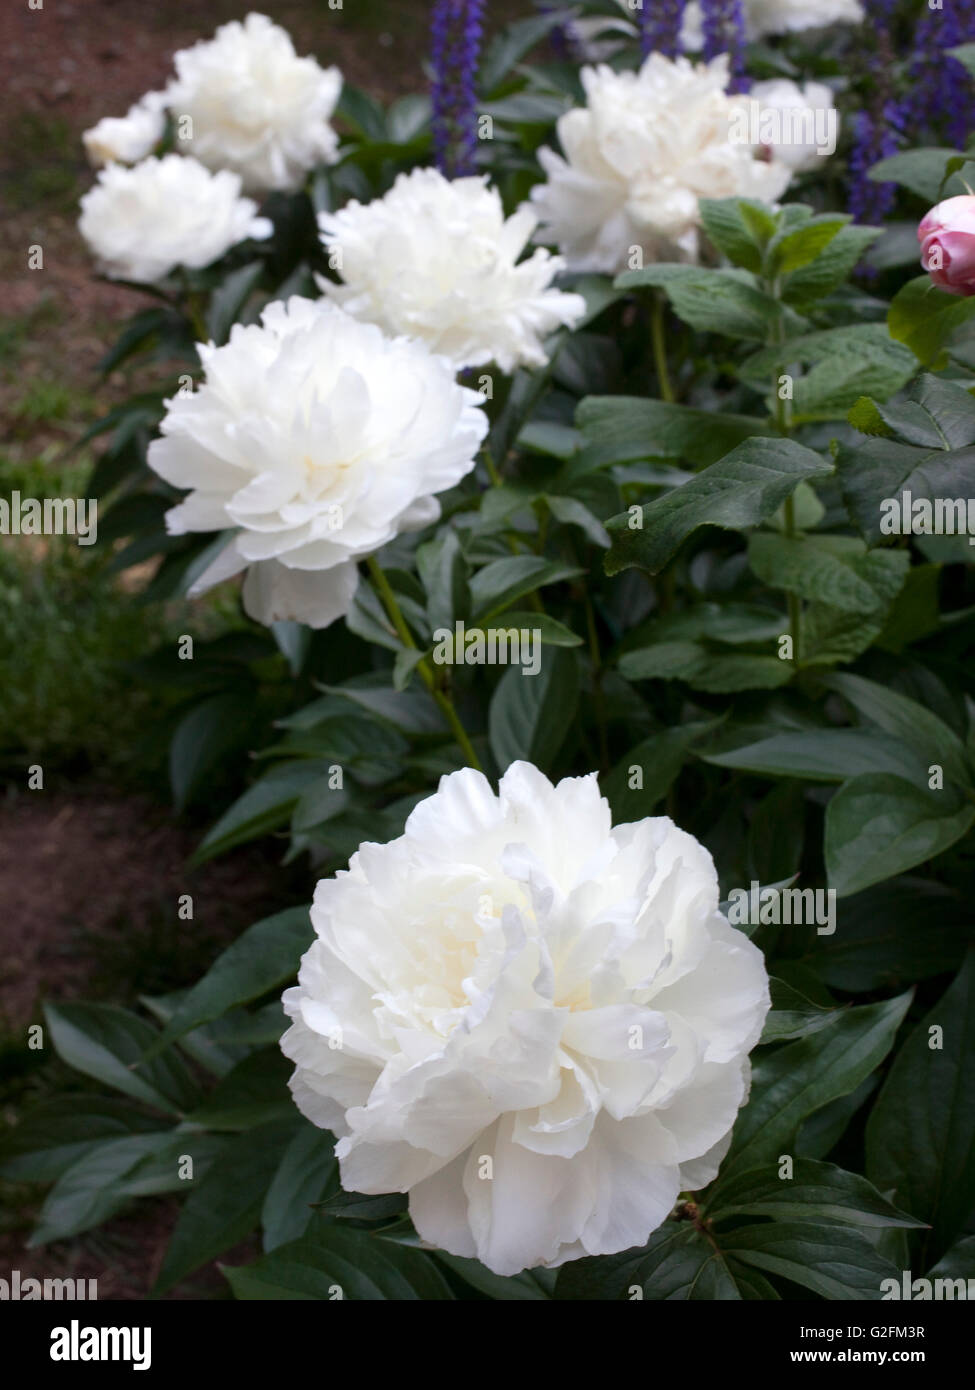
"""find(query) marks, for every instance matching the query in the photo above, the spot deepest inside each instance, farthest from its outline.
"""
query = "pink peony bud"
(947, 237)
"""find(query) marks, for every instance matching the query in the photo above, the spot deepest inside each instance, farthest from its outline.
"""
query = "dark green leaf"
(879, 825)
(225, 1206)
(743, 489)
(921, 1132)
(109, 1043)
(800, 1078)
(530, 716)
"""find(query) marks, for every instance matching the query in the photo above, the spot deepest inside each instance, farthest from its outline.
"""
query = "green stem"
(193, 308)
(784, 422)
(443, 700)
(598, 699)
(491, 467)
(657, 326)
(795, 602)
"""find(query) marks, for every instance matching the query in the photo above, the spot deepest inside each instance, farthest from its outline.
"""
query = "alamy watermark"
(50, 516)
(492, 646)
(77, 1343)
(909, 1289)
(21, 1289)
(908, 515)
(766, 907)
(817, 127)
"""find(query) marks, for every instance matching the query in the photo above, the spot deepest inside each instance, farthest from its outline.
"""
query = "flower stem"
(443, 700)
(657, 326)
(598, 699)
(784, 422)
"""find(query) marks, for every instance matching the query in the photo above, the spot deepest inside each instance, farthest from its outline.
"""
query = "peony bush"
(590, 441)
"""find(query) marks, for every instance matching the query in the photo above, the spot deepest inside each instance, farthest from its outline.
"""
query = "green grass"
(67, 632)
(45, 400)
(50, 164)
(18, 331)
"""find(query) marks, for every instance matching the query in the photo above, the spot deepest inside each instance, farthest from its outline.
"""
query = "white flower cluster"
(242, 101)
(248, 113)
(316, 439)
(141, 223)
(436, 259)
(639, 156)
(129, 138)
(250, 104)
(535, 1024)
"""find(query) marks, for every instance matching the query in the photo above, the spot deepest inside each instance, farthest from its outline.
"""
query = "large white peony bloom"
(254, 106)
(803, 120)
(436, 259)
(535, 1024)
(319, 439)
(775, 17)
(638, 156)
(141, 223)
(129, 138)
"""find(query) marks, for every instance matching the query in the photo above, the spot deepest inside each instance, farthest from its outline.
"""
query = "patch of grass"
(46, 399)
(67, 632)
(49, 165)
(17, 331)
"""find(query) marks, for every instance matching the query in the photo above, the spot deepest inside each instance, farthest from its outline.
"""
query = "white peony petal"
(273, 593)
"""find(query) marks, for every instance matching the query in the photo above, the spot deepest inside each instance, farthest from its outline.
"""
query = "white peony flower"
(436, 259)
(638, 156)
(319, 439)
(802, 122)
(129, 138)
(774, 17)
(535, 1024)
(141, 223)
(254, 106)
(783, 16)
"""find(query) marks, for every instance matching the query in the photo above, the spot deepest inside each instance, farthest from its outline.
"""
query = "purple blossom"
(456, 31)
(940, 85)
(874, 138)
(659, 22)
(876, 129)
(724, 32)
(562, 37)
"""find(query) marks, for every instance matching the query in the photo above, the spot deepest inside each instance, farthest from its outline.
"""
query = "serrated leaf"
(740, 491)
(619, 429)
(926, 319)
(835, 570)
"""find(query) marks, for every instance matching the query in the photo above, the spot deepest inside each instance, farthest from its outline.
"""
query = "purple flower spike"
(940, 85)
(456, 30)
(660, 23)
(724, 32)
(877, 129)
